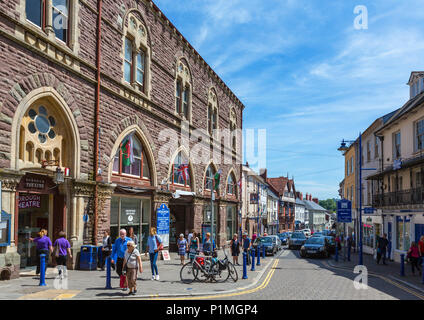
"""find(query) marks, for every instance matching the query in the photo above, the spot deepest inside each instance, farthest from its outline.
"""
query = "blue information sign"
(368, 210)
(162, 219)
(344, 211)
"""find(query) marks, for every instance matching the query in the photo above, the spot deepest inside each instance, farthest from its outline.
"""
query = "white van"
(307, 232)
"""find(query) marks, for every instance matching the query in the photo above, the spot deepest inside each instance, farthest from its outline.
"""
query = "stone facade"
(35, 65)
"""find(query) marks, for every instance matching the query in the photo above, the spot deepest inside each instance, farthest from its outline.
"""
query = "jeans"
(47, 253)
(380, 255)
(414, 263)
(153, 258)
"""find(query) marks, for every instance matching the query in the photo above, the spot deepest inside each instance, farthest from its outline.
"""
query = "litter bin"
(99, 256)
(88, 257)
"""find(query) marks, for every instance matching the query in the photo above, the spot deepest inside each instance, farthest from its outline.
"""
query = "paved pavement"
(286, 276)
(91, 284)
(391, 270)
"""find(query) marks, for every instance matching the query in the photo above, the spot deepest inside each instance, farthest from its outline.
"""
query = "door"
(389, 237)
(419, 231)
(59, 213)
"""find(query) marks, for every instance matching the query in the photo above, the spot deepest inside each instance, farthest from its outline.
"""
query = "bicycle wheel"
(221, 275)
(187, 273)
(233, 272)
(200, 272)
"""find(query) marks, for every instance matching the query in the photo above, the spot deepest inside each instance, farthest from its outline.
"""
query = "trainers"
(157, 277)
(124, 289)
(153, 278)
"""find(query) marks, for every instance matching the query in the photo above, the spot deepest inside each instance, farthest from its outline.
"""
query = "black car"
(315, 246)
(284, 237)
(269, 242)
(297, 239)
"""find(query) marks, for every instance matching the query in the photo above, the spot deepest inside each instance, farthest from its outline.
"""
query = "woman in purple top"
(44, 246)
(62, 250)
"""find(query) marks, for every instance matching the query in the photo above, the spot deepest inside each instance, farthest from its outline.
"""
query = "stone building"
(80, 83)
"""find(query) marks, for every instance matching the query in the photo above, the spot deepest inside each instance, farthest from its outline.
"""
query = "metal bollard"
(244, 265)
(108, 271)
(258, 263)
(422, 269)
(348, 253)
(402, 265)
(42, 270)
(253, 260)
(336, 254)
(263, 252)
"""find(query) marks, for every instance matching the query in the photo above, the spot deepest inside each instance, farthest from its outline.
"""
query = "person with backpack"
(154, 245)
(132, 263)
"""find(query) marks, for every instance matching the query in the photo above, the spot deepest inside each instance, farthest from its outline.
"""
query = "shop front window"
(207, 217)
(403, 240)
(231, 222)
(130, 212)
(368, 231)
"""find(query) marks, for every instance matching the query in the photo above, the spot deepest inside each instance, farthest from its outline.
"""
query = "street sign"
(344, 211)
(369, 210)
(163, 223)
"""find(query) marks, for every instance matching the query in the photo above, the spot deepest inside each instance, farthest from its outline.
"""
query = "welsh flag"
(217, 178)
(127, 151)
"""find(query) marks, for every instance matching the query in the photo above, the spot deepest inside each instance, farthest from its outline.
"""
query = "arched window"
(210, 174)
(135, 54)
(41, 135)
(231, 184)
(183, 90)
(212, 111)
(180, 174)
(130, 158)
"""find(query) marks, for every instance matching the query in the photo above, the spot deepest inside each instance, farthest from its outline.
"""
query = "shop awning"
(133, 190)
(177, 194)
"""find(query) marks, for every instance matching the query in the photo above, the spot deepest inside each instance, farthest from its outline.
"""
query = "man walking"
(246, 247)
(118, 254)
(382, 244)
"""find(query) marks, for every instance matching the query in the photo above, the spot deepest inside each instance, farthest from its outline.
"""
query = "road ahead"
(293, 278)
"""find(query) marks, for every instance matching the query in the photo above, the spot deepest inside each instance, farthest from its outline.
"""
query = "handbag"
(56, 250)
(158, 244)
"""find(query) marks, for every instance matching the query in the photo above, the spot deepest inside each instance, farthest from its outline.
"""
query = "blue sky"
(305, 74)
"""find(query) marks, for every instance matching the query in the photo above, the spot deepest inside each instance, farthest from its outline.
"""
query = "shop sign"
(344, 211)
(130, 213)
(29, 201)
(165, 255)
(34, 183)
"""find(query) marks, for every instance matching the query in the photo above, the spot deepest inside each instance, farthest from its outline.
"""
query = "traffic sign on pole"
(344, 211)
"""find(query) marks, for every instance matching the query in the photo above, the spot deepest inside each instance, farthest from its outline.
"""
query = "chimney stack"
(263, 173)
(315, 200)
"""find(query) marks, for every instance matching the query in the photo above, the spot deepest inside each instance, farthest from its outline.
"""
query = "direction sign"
(344, 211)
(369, 210)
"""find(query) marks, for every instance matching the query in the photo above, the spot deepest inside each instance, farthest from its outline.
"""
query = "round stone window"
(42, 124)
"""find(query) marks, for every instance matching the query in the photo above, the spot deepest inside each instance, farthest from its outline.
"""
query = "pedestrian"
(382, 244)
(62, 249)
(208, 245)
(235, 249)
(349, 246)
(44, 246)
(132, 264)
(254, 236)
(154, 245)
(338, 243)
(194, 246)
(106, 248)
(246, 247)
(414, 256)
(132, 235)
(182, 247)
(118, 255)
(421, 249)
(190, 235)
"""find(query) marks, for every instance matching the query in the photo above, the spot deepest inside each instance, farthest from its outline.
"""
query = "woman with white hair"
(182, 247)
(132, 262)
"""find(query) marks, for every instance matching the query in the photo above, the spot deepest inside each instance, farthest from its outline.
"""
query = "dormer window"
(416, 84)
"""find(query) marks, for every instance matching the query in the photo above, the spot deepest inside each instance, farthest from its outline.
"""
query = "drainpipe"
(97, 126)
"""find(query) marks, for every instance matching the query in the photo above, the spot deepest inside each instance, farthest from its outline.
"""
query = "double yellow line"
(262, 286)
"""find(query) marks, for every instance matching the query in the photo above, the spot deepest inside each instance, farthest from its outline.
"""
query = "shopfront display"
(403, 234)
(129, 212)
(231, 221)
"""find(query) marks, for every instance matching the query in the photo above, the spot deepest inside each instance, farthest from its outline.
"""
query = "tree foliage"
(329, 204)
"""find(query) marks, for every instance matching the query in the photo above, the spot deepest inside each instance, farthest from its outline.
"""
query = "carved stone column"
(198, 207)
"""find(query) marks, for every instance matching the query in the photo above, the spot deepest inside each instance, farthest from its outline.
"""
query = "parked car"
(330, 233)
(284, 237)
(317, 234)
(315, 246)
(277, 239)
(270, 243)
(297, 239)
(331, 244)
(306, 232)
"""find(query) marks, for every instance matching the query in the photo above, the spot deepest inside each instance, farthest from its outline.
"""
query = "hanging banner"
(162, 223)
